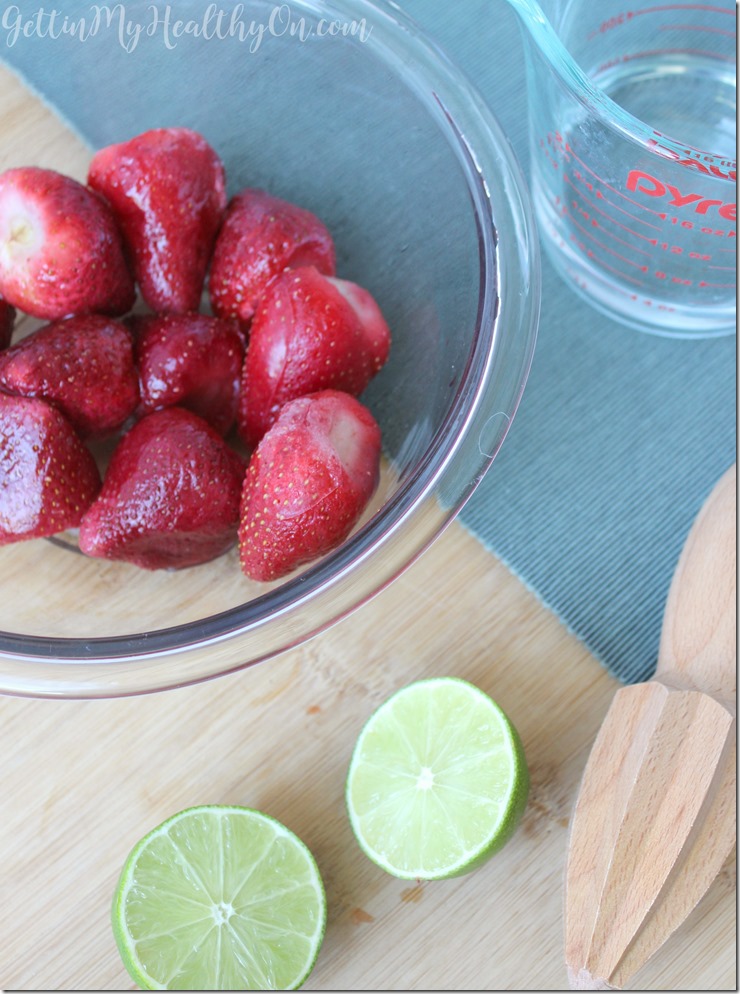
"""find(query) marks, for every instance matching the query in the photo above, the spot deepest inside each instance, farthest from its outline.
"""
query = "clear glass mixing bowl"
(378, 134)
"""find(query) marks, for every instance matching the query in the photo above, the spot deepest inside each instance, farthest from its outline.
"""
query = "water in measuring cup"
(662, 267)
(686, 96)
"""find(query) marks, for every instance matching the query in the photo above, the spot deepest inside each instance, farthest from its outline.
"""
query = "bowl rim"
(439, 486)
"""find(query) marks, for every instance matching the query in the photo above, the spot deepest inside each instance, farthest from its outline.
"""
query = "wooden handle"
(653, 826)
(655, 816)
(699, 638)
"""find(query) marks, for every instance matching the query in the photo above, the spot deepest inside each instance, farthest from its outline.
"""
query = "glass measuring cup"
(632, 133)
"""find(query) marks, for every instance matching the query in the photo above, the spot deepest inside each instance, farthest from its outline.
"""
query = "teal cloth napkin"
(620, 436)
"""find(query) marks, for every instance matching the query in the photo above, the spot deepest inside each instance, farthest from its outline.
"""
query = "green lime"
(437, 782)
(219, 898)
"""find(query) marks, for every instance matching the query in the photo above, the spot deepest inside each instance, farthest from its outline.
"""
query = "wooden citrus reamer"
(655, 818)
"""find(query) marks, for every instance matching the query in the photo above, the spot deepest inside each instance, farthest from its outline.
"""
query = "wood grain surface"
(82, 781)
(654, 821)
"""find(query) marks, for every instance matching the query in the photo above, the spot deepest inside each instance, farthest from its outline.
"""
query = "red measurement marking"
(609, 217)
(704, 230)
(647, 302)
(680, 6)
(601, 262)
(629, 214)
(601, 244)
(696, 27)
(724, 269)
(664, 51)
(620, 19)
(678, 250)
(616, 207)
(586, 215)
(658, 274)
(608, 186)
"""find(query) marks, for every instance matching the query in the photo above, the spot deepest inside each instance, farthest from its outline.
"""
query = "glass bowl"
(346, 109)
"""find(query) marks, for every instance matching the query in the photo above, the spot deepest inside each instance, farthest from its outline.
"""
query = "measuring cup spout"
(532, 17)
(535, 24)
(541, 40)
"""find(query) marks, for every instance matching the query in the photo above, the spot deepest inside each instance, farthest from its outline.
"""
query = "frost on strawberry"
(167, 190)
(260, 237)
(170, 497)
(192, 360)
(310, 332)
(83, 365)
(286, 353)
(308, 482)
(60, 250)
(48, 478)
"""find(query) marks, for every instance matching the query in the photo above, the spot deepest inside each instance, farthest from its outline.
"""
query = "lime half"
(437, 782)
(219, 898)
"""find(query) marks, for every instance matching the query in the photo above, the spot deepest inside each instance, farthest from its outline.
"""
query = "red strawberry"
(260, 237)
(60, 250)
(167, 190)
(83, 365)
(170, 498)
(48, 478)
(307, 484)
(7, 321)
(191, 360)
(310, 332)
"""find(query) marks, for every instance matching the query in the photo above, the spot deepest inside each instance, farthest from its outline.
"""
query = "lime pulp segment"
(437, 782)
(219, 898)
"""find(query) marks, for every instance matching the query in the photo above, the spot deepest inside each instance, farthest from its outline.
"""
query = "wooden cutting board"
(81, 782)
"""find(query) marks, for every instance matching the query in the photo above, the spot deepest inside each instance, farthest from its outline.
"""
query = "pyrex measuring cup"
(632, 130)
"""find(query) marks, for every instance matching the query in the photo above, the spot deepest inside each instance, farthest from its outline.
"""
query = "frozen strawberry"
(309, 332)
(7, 322)
(191, 360)
(307, 484)
(48, 478)
(170, 497)
(167, 190)
(260, 237)
(83, 365)
(60, 250)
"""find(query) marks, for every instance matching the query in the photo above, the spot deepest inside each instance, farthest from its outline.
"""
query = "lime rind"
(190, 926)
(423, 737)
